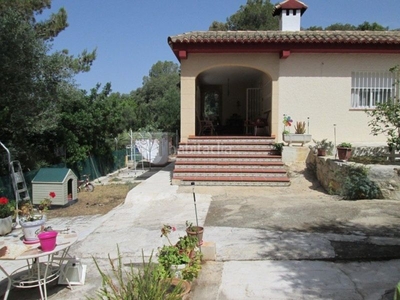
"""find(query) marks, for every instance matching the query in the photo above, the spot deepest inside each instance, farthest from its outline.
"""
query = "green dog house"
(62, 181)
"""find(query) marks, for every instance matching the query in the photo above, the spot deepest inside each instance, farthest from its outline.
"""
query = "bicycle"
(85, 185)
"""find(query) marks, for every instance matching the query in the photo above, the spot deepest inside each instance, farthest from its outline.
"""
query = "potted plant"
(180, 260)
(323, 147)
(344, 150)
(7, 210)
(196, 231)
(32, 219)
(299, 136)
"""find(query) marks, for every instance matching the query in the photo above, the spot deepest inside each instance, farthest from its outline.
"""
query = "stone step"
(224, 147)
(231, 152)
(232, 180)
(243, 141)
(231, 168)
(230, 163)
(212, 174)
(245, 160)
(233, 159)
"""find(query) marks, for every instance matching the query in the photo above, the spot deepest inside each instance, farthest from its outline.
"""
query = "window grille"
(370, 88)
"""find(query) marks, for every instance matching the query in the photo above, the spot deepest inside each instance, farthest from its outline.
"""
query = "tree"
(255, 15)
(158, 101)
(348, 27)
(340, 26)
(386, 119)
(31, 79)
(372, 27)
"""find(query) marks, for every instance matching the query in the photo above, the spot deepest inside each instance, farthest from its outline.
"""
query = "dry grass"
(100, 201)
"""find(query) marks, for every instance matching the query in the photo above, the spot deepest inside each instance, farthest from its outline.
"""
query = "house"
(326, 78)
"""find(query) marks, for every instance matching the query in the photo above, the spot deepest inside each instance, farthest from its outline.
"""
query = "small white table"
(41, 267)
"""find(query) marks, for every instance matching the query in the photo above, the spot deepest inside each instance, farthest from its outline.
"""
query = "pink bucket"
(47, 240)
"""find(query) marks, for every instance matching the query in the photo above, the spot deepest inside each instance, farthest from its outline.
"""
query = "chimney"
(289, 12)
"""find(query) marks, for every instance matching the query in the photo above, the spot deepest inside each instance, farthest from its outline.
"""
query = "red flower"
(52, 195)
(3, 201)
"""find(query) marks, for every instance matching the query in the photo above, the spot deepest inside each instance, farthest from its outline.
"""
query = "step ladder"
(18, 181)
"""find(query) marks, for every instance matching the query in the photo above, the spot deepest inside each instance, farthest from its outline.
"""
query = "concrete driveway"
(271, 243)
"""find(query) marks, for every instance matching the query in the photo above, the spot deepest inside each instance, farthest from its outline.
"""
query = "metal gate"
(253, 105)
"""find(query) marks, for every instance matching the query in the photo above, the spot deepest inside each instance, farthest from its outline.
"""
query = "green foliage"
(344, 145)
(254, 15)
(158, 101)
(33, 81)
(130, 285)
(323, 144)
(386, 121)
(278, 147)
(193, 268)
(300, 127)
(357, 185)
(349, 27)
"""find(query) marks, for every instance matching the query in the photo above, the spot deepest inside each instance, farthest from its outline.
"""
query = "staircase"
(229, 160)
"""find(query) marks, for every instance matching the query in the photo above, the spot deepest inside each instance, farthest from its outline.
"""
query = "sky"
(131, 35)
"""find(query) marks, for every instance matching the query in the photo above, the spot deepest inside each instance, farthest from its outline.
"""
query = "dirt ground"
(100, 201)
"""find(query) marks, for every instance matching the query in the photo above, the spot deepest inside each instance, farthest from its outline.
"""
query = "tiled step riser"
(227, 152)
(238, 175)
(233, 159)
(200, 168)
(224, 148)
(230, 141)
(246, 161)
(231, 183)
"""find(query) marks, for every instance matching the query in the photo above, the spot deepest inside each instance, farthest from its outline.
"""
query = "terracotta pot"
(321, 152)
(185, 285)
(344, 153)
(197, 232)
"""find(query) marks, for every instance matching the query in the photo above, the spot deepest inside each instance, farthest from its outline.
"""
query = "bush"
(146, 284)
(357, 185)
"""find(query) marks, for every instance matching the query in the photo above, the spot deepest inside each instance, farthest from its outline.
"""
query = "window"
(370, 88)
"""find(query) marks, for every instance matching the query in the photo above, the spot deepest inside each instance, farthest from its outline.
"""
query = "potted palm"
(344, 151)
(7, 209)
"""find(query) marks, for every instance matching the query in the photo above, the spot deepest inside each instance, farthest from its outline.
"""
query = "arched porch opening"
(233, 100)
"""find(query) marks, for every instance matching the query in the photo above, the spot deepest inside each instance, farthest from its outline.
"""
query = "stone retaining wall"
(387, 177)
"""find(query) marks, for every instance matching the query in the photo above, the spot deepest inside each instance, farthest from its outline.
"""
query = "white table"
(41, 267)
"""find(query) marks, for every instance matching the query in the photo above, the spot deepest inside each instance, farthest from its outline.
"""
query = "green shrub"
(146, 284)
(357, 185)
(278, 147)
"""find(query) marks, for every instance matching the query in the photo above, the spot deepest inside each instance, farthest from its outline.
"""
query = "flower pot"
(31, 229)
(48, 240)
(196, 231)
(183, 284)
(176, 270)
(321, 152)
(296, 138)
(6, 225)
(344, 153)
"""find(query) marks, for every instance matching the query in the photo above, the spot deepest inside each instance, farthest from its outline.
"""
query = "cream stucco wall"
(317, 86)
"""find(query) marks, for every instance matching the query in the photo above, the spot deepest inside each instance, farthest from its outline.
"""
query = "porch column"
(188, 107)
(275, 118)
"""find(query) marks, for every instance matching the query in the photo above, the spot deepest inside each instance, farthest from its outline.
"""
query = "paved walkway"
(252, 263)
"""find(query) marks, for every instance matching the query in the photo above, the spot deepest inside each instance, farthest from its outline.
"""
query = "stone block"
(208, 249)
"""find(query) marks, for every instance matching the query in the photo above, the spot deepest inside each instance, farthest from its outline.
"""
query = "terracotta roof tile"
(277, 37)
